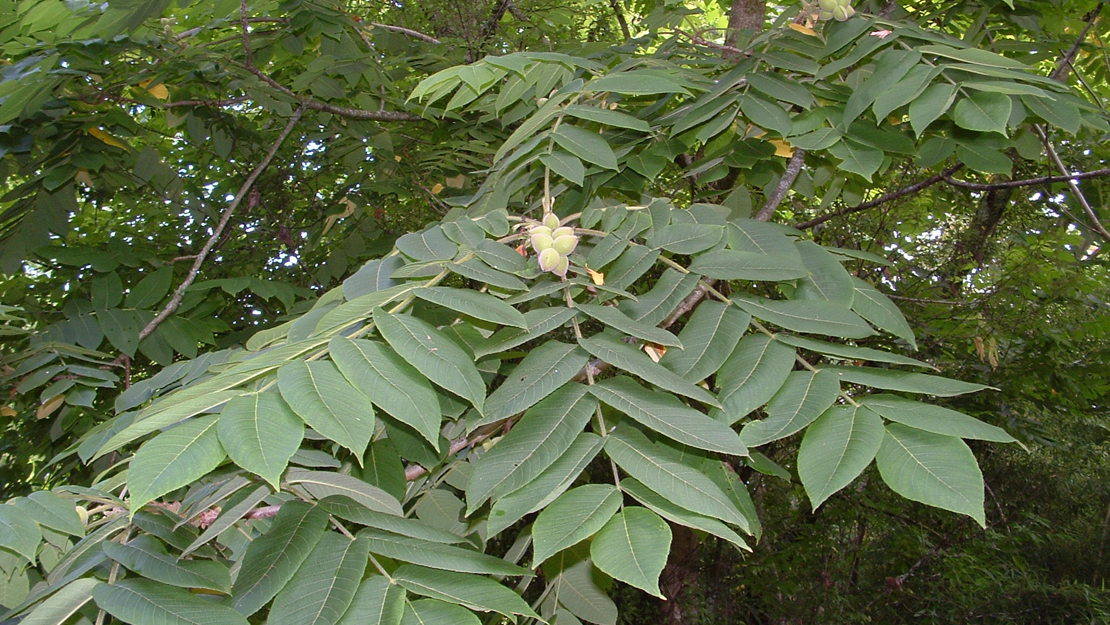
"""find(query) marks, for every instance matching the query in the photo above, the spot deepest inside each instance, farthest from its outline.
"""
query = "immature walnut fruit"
(553, 243)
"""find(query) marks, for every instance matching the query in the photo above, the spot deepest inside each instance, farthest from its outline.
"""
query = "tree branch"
(793, 168)
(619, 13)
(1026, 182)
(407, 31)
(882, 199)
(305, 101)
(175, 301)
(1072, 184)
(1063, 68)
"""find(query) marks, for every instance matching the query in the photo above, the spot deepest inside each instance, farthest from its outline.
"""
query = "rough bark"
(743, 15)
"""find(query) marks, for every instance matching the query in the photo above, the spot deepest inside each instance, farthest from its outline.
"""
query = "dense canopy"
(343, 312)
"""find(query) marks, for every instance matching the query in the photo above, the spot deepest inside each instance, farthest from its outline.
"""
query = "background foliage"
(269, 299)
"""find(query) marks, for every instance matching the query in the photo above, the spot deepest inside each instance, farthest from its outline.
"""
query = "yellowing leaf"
(805, 30)
(456, 182)
(7, 411)
(437, 189)
(49, 406)
(782, 148)
(107, 138)
(159, 91)
(596, 276)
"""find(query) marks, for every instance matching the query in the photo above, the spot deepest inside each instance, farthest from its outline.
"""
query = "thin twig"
(305, 101)
(700, 41)
(1072, 184)
(793, 168)
(882, 199)
(407, 31)
(619, 13)
(175, 301)
(1063, 68)
(1026, 182)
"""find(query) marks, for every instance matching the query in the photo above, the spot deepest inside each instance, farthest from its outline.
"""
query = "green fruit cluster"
(554, 244)
(835, 9)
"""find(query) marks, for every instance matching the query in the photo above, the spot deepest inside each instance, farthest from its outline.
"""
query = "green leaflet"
(52, 511)
(321, 484)
(740, 265)
(324, 585)
(566, 165)
(836, 448)
(827, 279)
(686, 238)
(473, 591)
(751, 375)
(473, 303)
(540, 321)
(547, 486)
(633, 548)
(934, 419)
(143, 601)
(173, 459)
(232, 510)
(607, 117)
(815, 317)
(165, 418)
(438, 358)
(877, 308)
(632, 360)
(543, 370)
(672, 474)
(848, 352)
(436, 612)
(708, 337)
(984, 111)
(344, 507)
(376, 602)
(147, 556)
(933, 469)
(327, 402)
(802, 398)
(586, 145)
(906, 381)
(665, 414)
(931, 104)
(653, 307)
(579, 588)
(272, 559)
(575, 516)
(429, 244)
(63, 603)
(260, 433)
(437, 555)
(616, 319)
(543, 434)
(666, 509)
(20, 533)
(390, 382)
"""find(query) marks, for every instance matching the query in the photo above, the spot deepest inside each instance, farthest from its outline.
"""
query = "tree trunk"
(679, 577)
(744, 15)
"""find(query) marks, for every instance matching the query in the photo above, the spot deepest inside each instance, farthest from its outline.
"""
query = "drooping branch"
(882, 199)
(175, 301)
